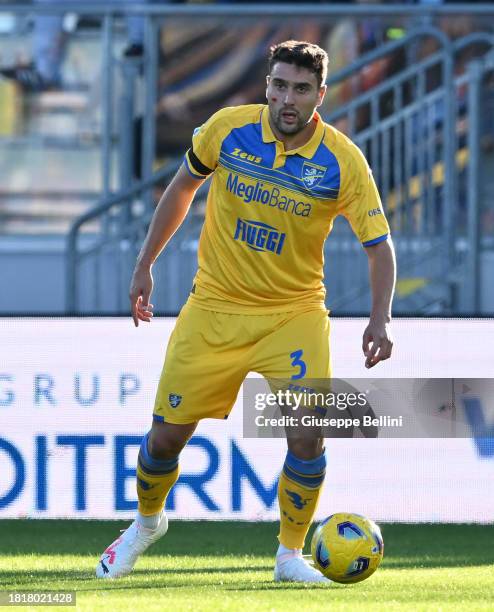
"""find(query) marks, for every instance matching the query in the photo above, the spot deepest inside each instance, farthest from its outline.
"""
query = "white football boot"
(119, 558)
(292, 567)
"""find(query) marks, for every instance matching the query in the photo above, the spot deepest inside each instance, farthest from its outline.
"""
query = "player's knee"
(306, 448)
(163, 447)
(166, 440)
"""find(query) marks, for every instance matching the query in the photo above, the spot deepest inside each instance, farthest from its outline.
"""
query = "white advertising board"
(76, 397)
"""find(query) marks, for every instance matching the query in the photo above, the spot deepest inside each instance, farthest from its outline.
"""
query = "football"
(347, 547)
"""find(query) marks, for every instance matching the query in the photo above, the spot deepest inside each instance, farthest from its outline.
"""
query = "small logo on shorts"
(174, 400)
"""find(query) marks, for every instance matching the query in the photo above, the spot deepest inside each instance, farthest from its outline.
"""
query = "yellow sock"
(155, 478)
(299, 487)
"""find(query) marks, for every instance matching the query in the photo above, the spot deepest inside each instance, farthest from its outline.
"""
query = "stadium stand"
(64, 151)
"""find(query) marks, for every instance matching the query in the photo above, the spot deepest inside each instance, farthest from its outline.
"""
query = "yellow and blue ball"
(347, 547)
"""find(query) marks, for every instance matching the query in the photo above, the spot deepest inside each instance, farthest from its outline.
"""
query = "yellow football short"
(210, 354)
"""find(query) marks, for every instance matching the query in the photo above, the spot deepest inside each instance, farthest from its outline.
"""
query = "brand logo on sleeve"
(374, 212)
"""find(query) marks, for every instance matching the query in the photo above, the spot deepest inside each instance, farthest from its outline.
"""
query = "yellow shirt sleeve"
(202, 157)
(360, 202)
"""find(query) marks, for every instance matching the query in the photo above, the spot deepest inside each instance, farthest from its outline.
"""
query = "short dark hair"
(302, 54)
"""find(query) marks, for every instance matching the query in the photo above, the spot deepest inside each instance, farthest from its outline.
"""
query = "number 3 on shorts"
(298, 362)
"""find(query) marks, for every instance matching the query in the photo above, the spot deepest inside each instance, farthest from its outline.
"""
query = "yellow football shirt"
(269, 211)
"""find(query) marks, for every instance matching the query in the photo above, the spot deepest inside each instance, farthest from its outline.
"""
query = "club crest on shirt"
(174, 399)
(312, 175)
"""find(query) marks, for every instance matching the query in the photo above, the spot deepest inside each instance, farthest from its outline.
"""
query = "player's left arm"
(361, 204)
(377, 343)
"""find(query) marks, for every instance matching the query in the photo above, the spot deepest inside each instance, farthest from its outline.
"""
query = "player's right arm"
(200, 161)
(167, 218)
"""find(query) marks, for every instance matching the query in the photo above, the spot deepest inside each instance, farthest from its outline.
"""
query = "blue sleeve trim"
(196, 176)
(375, 241)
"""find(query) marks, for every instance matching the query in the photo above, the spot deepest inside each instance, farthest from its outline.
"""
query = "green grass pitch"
(229, 565)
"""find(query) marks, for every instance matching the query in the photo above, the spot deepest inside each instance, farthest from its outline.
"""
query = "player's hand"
(141, 287)
(377, 343)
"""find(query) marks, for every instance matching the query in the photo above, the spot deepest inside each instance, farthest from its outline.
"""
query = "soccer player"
(280, 176)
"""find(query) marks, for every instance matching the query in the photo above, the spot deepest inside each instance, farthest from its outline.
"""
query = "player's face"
(293, 95)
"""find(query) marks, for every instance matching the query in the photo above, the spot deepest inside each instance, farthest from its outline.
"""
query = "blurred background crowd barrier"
(97, 107)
